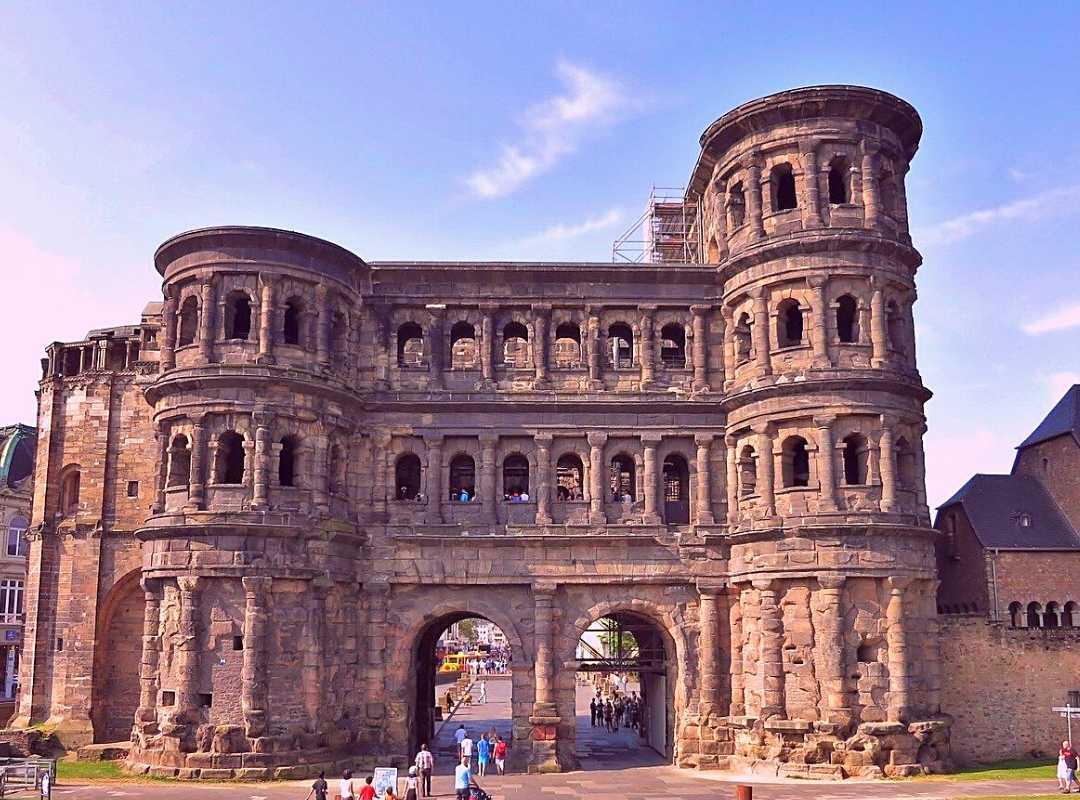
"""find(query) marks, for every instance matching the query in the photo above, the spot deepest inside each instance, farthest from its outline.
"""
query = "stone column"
(168, 346)
(266, 320)
(435, 492)
(593, 327)
(729, 345)
(187, 648)
(487, 343)
(146, 715)
(732, 479)
(887, 464)
(703, 506)
(933, 647)
(649, 443)
(322, 325)
(597, 491)
(206, 320)
(760, 332)
(832, 650)
(711, 679)
(811, 215)
(870, 189)
(771, 659)
(826, 466)
(701, 347)
(436, 350)
(381, 493)
(543, 478)
(753, 200)
(541, 318)
(896, 639)
(254, 684)
(319, 474)
(260, 492)
(819, 322)
(487, 477)
(764, 447)
(738, 679)
(544, 599)
(646, 358)
(197, 477)
(878, 336)
(920, 471)
(378, 601)
(161, 475)
(314, 638)
(901, 210)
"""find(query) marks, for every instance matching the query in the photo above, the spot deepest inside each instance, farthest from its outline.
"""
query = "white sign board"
(384, 777)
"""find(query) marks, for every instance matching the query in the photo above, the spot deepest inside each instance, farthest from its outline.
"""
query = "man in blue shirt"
(462, 777)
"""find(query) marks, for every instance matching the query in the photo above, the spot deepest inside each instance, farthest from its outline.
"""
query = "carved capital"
(897, 584)
(712, 587)
(703, 439)
(824, 421)
(596, 438)
(256, 587)
(189, 584)
(831, 581)
(651, 439)
(544, 591)
(765, 584)
(543, 439)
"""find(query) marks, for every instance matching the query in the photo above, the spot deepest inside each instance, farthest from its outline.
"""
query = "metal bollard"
(744, 792)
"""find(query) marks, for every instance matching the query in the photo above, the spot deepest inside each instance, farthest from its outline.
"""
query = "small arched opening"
(516, 478)
(736, 206)
(115, 690)
(292, 322)
(516, 345)
(673, 346)
(70, 490)
(747, 471)
(676, 490)
(410, 345)
(230, 459)
(1034, 615)
(789, 323)
(847, 319)
(743, 338)
(839, 176)
(407, 476)
(179, 469)
(796, 462)
(189, 321)
(1016, 614)
(288, 462)
(622, 479)
(621, 345)
(339, 333)
(569, 478)
(856, 459)
(1068, 615)
(782, 180)
(463, 349)
(1050, 616)
(906, 477)
(462, 478)
(568, 345)
(237, 316)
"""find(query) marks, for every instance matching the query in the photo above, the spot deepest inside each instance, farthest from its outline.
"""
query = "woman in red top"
(500, 755)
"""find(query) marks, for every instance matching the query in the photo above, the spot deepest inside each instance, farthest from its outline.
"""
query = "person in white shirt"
(462, 777)
(459, 735)
(483, 692)
(466, 750)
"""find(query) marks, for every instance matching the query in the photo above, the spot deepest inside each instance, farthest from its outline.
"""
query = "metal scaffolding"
(663, 234)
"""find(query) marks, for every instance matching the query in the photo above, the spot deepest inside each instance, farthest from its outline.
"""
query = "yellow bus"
(453, 662)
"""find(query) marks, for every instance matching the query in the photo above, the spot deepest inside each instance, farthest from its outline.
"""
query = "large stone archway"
(115, 694)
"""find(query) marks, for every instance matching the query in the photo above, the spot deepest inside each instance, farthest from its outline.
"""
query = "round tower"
(254, 411)
(832, 563)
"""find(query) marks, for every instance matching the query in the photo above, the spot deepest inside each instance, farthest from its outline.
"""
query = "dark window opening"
(230, 458)
(515, 345)
(287, 459)
(237, 316)
(783, 186)
(189, 321)
(673, 346)
(838, 181)
(339, 333)
(462, 478)
(70, 489)
(796, 462)
(847, 319)
(238, 643)
(290, 328)
(60, 644)
(410, 345)
(516, 478)
(1068, 615)
(179, 461)
(72, 361)
(736, 206)
(868, 652)
(1050, 617)
(568, 345)
(790, 324)
(676, 477)
(463, 349)
(168, 698)
(1034, 615)
(623, 486)
(905, 464)
(132, 488)
(569, 473)
(621, 345)
(1015, 614)
(206, 700)
(856, 454)
(747, 472)
(407, 476)
(894, 328)
(743, 338)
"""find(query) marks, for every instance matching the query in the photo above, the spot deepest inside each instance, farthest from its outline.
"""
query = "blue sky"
(476, 131)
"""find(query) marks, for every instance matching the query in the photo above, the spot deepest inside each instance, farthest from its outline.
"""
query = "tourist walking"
(459, 737)
(412, 785)
(609, 715)
(319, 788)
(462, 778)
(483, 694)
(1068, 759)
(483, 755)
(425, 763)
(367, 791)
(345, 786)
(500, 755)
(467, 750)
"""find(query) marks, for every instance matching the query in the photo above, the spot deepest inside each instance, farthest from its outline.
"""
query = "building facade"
(17, 450)
(258, 509)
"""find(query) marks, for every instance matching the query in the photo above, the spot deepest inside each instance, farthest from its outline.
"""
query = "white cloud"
(552, 129)
(1032, 209)
(562, 231)
(1068, 317)
(1057, 383)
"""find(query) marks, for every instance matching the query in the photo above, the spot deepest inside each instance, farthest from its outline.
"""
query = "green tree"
(467, 630)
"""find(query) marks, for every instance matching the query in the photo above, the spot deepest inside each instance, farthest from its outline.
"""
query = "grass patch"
(1011, 770)
(72, 770)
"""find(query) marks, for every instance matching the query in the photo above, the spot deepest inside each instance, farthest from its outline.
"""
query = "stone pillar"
(729, 345)
(647, 354)
(878, 336)
(266, 320)
(197, 477)
(146, 715)
(487, 345)
(732, 479)
(887, 464)
(701, 347)
(933, 647)
(542, 490)
(380, 456)
(753, 200)
(832, 651)
(920, 471)
(811, 215)
(187, 648)
(314, 638)
(319, 474)
(764, 447)
(487, 477)
(870, 189)
(826, 466)
(168, 346)
(322, 325)
(541, 318)
(545, 715)
(378, 601)
(436, 336)
(254, 684)
(649, 443)
(738, 679)
(593, 327)
(597, 491)
(896, 639)
(710, 674)
(435, 491)
(260, 491)
(819, 322)
(206, 320)
(703, 506)
(760, 332)
(161, 476)
(901, 210)
(771, 658)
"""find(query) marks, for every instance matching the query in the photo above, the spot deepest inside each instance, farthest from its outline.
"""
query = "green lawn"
(68, 769)
(1015, 770)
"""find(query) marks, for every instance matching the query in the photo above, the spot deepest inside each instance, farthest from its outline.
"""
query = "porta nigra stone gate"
(248, 515)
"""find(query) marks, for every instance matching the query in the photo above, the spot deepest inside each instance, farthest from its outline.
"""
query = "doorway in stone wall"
(623, 662)
(115, 693)
(464, 677)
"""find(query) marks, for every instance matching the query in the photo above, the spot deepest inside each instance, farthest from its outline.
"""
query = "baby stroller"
(476, 793)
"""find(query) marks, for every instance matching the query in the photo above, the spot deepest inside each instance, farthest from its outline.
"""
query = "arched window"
(856, 453)
(292, 322)
(676, 490)
(179, 461)
(516, 477)
(287, 461)
(789, 324)
(847, 319)
(894, 327)
(339, 333)
(462, 346)
(1050, 616)
(237, 316)
(1016, 611)
(783, 188)
(743, 338)
(569, 473)
(189, 321)
(905, 464)
(410, 345)
(568, 345)
(621, 345)
(713, 251)
(72, 361)
(747, 471)
(1034, 615)
(673, 346)
(796, 458)
(17, 545)
(736, 206)
(407, 476)
(515, 345)
(230, 458)
(462, 478)
(70, 489)
(337, 470)
(839, 171)
(1068, 615)
(623, 484)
